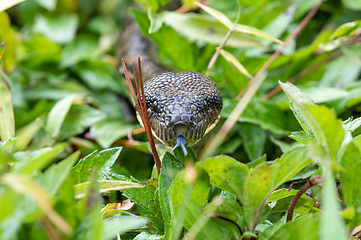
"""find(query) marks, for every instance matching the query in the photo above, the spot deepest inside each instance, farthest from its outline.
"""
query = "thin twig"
(312, 182)
(238, 110)
(293, 35)
(225, 39)
(303, 73)
(142, 108)
(146, 122)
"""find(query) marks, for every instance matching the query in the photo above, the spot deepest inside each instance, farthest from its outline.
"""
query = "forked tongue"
(180, 142)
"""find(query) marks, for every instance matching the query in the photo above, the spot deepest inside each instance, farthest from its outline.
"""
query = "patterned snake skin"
(182, 107)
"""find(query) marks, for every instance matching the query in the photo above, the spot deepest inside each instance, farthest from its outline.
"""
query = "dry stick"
(158, 164)
(303, 73)
(238, 110)
(142, 115)
(303, 189)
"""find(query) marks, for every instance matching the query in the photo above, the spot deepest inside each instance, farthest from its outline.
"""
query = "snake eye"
(151, 103)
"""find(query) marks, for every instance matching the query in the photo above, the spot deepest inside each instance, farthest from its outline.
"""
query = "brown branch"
(303, 73)
(312, 182)
(146, 122)
(225, 39)
(141, 107)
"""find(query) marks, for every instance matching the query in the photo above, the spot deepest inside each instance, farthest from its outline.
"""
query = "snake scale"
(182, 107)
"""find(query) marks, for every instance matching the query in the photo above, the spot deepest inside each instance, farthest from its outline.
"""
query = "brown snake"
(182, 107)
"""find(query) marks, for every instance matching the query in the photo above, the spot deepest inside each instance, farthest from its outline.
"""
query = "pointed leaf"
(105, 186)
(350, 180)
(57, 115)
(7, 122)
(288, 165)
(234, 61)
(255, 189)
(225, 173)
(170, 168)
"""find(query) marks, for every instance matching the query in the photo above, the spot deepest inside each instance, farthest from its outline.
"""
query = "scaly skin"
(182, 107)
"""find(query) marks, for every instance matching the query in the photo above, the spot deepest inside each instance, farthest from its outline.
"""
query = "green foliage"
(74, 165)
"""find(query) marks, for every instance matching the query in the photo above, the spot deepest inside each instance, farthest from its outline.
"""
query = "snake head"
(186, 105)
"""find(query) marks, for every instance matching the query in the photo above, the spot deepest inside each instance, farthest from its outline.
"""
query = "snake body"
(182, 107)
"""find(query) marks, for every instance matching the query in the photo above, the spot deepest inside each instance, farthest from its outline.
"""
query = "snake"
(182, 107)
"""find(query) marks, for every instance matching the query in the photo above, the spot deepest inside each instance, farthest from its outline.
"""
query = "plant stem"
(303, 189)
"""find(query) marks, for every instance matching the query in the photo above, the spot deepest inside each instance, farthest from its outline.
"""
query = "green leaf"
(238, 27)
(28, 187)
(291, 230)
(261, 112)
(102, 161)
(203, 227)
(320, 121)
(57, 115)
(170, 168)
(5, 4)
(120, 225)
(79, 118)
(106, 132)
(254, 138)
(180, 54)
(342, 70)
(352, 4)
(5, 144)
(83, 48)
(188, 194)
(201, 27)
(350, 180)
(345, 29)
(148, 204)
(146, 236)
(255, 190)
(332, 226)
(7, 60)
(90, 225)
(7, 121)
(288, 165)
(225, 173)
(352, 124)
(234, 62)
(56, 174)
(321, 94)
(48, 4)
(26, 134)
(112, 209)
(91, 71)
(156, 20)
(59, 29)
(37, 160)
(105, 186)
(281, 194)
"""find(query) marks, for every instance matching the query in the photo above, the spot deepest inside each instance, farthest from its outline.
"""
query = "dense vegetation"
(75, 164)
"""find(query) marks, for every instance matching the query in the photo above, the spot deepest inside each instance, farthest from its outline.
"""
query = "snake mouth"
(180, 128)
